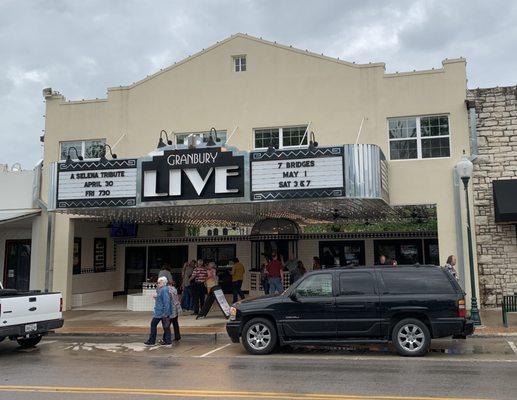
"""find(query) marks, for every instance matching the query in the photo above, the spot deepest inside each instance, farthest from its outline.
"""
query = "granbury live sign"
(193, 174)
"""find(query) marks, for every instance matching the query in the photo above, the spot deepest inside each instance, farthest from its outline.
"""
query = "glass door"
(135, 268)
(17, 264)
(342, 253)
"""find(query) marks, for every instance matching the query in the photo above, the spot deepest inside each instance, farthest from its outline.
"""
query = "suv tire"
(29, 342)
(259, 336)
(411, 337)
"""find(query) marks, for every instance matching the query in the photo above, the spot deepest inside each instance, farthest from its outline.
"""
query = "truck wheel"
(259, 336)
(411, 338)
(29, 342)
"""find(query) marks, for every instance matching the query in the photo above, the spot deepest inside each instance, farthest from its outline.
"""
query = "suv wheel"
(411, 338)
(259, 336)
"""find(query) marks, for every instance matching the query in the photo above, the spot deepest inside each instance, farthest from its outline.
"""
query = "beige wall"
(282, 86)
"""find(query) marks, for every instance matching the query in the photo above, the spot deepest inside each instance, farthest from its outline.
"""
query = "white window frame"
(419, 137)
(281, 137)
(238, 67)
(201, 133)
(82, 150)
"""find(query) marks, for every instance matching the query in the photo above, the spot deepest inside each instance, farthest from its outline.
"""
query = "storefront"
(258, 182)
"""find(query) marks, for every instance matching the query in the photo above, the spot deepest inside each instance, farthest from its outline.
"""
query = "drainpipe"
(36, 198)
(458, 189)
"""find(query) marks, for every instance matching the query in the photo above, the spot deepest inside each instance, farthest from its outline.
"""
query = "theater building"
(309, 156)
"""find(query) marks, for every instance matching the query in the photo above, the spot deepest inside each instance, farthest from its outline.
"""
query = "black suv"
(407, 305)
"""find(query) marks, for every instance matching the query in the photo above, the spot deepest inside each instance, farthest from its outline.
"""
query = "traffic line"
(513, 346)
(209, 393)
(213, 351)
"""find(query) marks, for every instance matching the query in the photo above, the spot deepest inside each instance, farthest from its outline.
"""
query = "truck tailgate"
(31, 308)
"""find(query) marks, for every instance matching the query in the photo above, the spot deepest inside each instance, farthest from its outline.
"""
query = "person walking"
(162, 312)
(275, 273)
(237, 273)
(176, 310)
(198, 280)
(166, 272)
(449, 266)
(186, 298)
(316, 263)
(211, 284)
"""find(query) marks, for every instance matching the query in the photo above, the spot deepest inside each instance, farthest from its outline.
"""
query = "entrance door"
(17, 265)
(342, 253)
(135, 269)
(311, 312)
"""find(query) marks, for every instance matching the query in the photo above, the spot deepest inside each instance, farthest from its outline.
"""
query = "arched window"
(275, 226)
(209, 232)
(225, 231)
(216, 231)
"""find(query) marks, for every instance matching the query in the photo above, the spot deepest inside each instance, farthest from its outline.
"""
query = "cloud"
(83, 47)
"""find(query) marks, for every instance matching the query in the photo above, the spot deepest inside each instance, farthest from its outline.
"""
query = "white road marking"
(513, 346)
(213, 351)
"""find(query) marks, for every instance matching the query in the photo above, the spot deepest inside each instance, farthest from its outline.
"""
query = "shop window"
(339, 253)
(419, 137)
(281, 138)
(431, 251)
(77, 255)
(171, 256)
(89, 149)
(356, 283)
(239, 63)
(220, 254)
(404, 251)
(220, 140)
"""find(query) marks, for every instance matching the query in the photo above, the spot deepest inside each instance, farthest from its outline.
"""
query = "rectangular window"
(419, 137)
(281, 138)
(356, 284)
(239, 63)
(424, 281)
(89, 149)
(220, 140)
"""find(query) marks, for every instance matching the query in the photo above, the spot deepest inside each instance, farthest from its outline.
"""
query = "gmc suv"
(407, 305)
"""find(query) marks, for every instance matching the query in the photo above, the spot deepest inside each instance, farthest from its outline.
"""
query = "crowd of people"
(199, 281)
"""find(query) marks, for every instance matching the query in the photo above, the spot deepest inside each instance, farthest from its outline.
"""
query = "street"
(116, 367)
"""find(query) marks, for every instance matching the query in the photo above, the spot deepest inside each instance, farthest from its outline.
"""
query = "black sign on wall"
(205, 173)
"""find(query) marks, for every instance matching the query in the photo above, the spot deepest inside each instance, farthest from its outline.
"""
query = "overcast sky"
(81, 48)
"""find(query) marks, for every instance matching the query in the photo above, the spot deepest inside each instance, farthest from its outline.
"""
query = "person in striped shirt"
(198, 279)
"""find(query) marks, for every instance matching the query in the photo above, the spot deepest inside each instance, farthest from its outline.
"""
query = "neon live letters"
(193, 174)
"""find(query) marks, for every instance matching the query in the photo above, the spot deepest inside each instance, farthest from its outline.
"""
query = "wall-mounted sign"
(301, 173)
(204, 173)
(96, 184)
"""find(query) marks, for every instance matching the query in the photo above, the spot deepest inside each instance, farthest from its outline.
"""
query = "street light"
(464, 168)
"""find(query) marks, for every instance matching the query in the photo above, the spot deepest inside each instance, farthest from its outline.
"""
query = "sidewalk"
(120, 322)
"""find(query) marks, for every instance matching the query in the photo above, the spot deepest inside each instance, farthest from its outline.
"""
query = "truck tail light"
(462, 309)
(60, 304)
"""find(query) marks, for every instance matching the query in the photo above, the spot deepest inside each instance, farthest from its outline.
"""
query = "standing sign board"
(96, 183)
(301, 173)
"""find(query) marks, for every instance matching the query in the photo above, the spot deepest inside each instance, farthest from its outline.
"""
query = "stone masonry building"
(496, 125)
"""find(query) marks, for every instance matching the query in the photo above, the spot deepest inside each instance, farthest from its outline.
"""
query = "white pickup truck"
(27, 316)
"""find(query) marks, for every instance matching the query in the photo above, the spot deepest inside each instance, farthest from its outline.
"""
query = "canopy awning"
(7, 216)
(505, 200)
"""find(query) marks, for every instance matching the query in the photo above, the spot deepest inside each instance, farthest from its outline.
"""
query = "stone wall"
(497, 148)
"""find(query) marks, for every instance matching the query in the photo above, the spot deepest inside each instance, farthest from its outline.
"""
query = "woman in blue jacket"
(162, 312)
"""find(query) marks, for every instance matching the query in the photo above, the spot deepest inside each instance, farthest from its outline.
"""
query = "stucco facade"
(282, 86)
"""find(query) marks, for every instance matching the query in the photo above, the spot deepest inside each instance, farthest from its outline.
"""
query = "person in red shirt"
(275, 273)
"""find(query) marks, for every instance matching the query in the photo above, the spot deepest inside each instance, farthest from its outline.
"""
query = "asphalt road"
(123, 368)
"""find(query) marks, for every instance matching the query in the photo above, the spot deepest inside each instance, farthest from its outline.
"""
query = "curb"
(216, 336)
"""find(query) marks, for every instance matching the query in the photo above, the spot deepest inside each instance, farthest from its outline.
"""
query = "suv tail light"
(462, 309)
(61, 304)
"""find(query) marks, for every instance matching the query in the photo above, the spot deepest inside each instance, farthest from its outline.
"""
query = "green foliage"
(376, 226)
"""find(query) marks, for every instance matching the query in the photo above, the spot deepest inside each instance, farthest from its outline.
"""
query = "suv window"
(319, 285)
(421, 281)
(356, 283)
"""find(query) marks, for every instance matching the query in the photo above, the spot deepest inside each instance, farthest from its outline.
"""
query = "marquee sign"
(189, 174)
(290, 174)
(96, 183)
